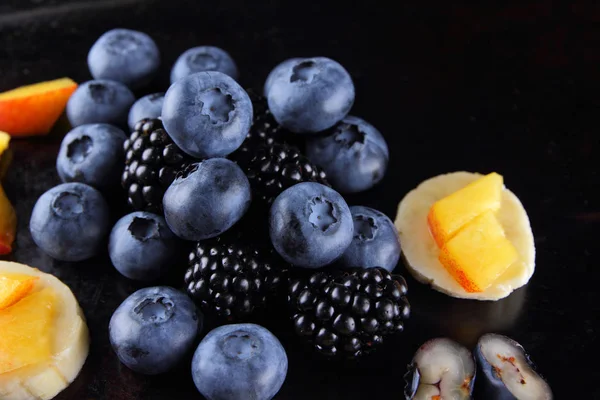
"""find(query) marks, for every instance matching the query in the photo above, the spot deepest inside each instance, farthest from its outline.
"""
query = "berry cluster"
(252, 184)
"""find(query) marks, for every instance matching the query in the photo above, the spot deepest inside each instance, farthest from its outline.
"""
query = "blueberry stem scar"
(68, 205)
(322, 214)
(79, 149)
(143, 228)
(156, 309)
(364, 228)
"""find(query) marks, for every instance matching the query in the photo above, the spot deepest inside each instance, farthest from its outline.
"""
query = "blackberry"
(231, 279)
(152, 161)
(347, 313)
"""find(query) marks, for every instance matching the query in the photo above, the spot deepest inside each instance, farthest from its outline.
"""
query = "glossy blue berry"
(353, 154)
(149, 106)
(203, 58)
(206, 199)
(92, 154)
(142, 247)
(100, 101)
(308, 95)
(125, 56)
(239, 362)
(310, 225)
(376, 242)
(70, 222)
(154, 329)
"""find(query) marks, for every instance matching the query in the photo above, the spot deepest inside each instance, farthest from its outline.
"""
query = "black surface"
(511, 89)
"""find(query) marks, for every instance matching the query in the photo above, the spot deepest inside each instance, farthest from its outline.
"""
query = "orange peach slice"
(26, 331)
(478, 254)
(448, 215)
(34, 109)
(8, 224)
(13, 288)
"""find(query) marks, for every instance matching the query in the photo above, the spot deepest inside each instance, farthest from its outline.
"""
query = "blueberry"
(149, 106)
(70, 222)
(154, 329)
(100, 101)
(142, 246)
(203, 58)
(207, 114)
(376, 242)
(310, 225)
(353, 154)
(125, 56)
(92, 154)
(239, 362)
(206, 199)
(308, 95)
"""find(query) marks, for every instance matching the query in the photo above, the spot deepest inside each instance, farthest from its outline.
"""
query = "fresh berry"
(353, 153)
(142, 247)
(100, 101)
(376, 242)
(147, 107)
(70, 222)
(201, 59)
(154, 329)
(125, 56)
(152, 161)
(92, 154)
(276, 167)
(232, 279)
(308, 95)
(310, 225)
(207, 114)
(206, 199)
(348, 313)
(239, 362)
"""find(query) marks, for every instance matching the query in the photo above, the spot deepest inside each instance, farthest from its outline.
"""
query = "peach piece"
(8, 224)
(34, 109)
(448, 215)
(478, 254)
(26, 331)
(15, 287)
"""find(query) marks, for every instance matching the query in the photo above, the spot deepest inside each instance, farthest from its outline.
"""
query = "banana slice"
(420, 251)
(45, 380)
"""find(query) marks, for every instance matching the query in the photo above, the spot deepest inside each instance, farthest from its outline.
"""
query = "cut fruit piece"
(8, 224)
(448, 215)
(420, 252)
(440, 369)
(34, 109)
(5, 155)
(507, 372)
(478, 254)
(26, 330)
(4, 141)
(69, 349)
(15, 287)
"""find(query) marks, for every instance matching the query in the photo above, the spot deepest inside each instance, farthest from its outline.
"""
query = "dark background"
(512, 89)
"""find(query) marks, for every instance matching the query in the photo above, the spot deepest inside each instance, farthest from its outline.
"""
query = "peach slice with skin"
(34, 109)
(26, 331)
(478, 254)
(448, 215)
(8, 224)
(15, 287)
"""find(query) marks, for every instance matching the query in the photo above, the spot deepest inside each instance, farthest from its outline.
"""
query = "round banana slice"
(69, 350)
(420, 251)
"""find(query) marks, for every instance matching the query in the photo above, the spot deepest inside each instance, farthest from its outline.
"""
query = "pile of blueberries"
(208, 115)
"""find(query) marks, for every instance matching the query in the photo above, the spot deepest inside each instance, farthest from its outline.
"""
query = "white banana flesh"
(45, 380)
(420, 251)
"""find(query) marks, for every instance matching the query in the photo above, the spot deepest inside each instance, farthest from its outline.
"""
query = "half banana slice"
(69, 343)
(420, 251)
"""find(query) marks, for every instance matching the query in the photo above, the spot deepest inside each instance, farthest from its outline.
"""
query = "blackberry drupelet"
(231, 279)
(152, 161)
(347, 313)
